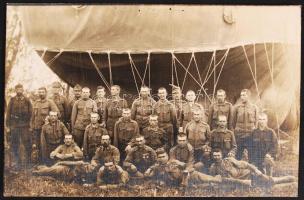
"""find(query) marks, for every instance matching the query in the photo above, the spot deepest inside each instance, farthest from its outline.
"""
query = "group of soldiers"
(174, 142)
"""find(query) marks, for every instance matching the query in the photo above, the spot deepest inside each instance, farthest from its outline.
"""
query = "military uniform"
(262, 142)
(119, 176)
(154, 137)
(101, 106)
(172, 174)
(184, 154)
(113, 112)
(178, 104)
(198, 134)
(101, 154)
(217, 109)
(142, 158)
(59, 170)
(19, 112)
(166, 119)
(52, 136)
(92, 139)
(187, 114)
(41, 109)
(141, 110)
(124, 131)
(223, 139)
(81, 118)
(244, 120)
(63, 107)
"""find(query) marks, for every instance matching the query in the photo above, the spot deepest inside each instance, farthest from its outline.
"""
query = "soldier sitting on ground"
(139, 158)
(172, 173)
(67, 155)
(242, 173)
(105, 151)
(154, 135)
(111, 176)
(92, 136)
(52, 135)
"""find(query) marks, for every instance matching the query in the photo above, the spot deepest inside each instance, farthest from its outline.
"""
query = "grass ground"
(24, 184)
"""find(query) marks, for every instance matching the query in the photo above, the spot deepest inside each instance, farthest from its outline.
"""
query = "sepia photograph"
(139, 100)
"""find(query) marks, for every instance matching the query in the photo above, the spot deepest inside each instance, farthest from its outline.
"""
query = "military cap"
(18, 86)
(77, 87)
(160, 151)
(100, 87)
(56, 84)
(175, 88)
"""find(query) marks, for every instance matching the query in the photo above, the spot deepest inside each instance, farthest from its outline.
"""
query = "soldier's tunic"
(141, 110)
(62, 170)
(178, 104)
(119, 176)
(101, 106)
(81, 118)
(101, 154)
(198, 135)
(166, 120)
(154, 137)
(262, 142)
(184, 154)
(217, 109)
(142, 158)
(113, 112)
(244, 121)
(231, 168)
(71, 104)
(223, 139)
(172, 174)
(52, 135)
(92, 139)
(41, 109)
(187, 114)
(63, 107)
(18, 115)
(124, 131)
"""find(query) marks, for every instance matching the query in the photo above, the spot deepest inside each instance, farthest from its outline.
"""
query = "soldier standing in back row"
(187, 114)
(113, 110)
(166, 116)
(52, 135)
(81, 115)
(41, 109)
(60, 101)
(142, 108)
(77, 95)
(92, 137)
(19, 112)
(101, 102)
(244, 121)
(220, 107)
(178, 103)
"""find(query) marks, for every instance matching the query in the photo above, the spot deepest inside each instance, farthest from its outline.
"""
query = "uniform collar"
(20, 97)
(222, 129)
(94, 125)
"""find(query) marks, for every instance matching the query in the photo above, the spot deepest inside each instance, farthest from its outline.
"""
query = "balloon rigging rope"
(252, 74)
(222, 67)
(43, 54)
(212, 58)
(147, 65)
(55, 57)
(175, 69)
(270, 67)
(187, 71)
(131, 65)
(110, 69)
(98, 71)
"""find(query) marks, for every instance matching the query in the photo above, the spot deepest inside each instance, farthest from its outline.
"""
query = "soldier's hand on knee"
(133, 168)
